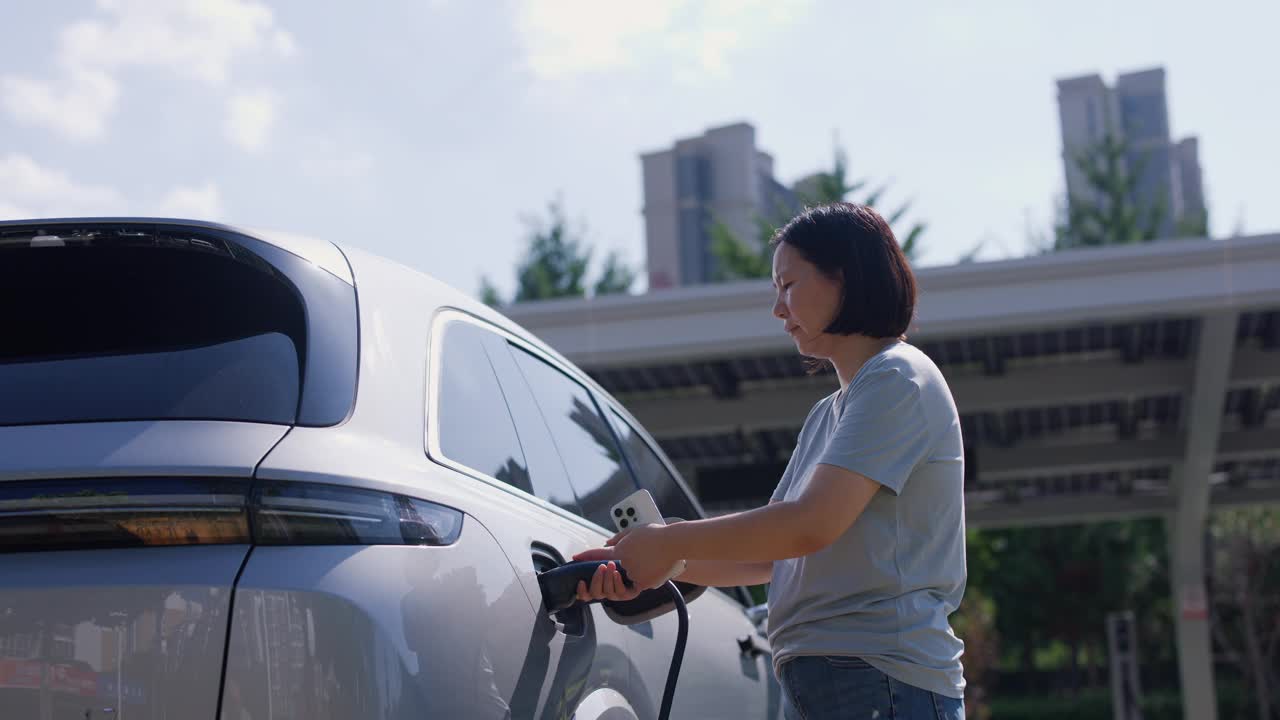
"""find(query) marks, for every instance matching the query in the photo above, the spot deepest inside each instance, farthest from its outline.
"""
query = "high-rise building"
(1135, 112)
(719, 176)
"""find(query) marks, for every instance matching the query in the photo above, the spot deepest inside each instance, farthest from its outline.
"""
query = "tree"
(833, 186)
(1055, 585)
(1244, 582)
(556, 262)
(489, 294)
(975, 623)
(1111, 213)
(1111, 216)
(615, 278)
(740, 259)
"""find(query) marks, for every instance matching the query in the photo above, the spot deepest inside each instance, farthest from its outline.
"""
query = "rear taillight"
(307, 514)
(136, 512)
(65, 514)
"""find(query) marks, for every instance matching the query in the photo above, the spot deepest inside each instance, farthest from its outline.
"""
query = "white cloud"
(250, 117)
(78, 109)
(28, 189)
(31, 190)
(200, 203)
(576, 37)
(198, 39)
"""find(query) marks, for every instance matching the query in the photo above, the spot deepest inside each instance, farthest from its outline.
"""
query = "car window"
(115, 321)
(102, 333)
(581, 435)
(547, 472)
(652, 474)
(475, 427)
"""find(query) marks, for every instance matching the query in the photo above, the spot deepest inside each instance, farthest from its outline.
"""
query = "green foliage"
(1053, 587)
(833, 186)
(1233, 704)
(974, 623)
(1111, 217)
(1196, 225)
(740, 259)
(1244, 586)
(1110, 214)
(489, 294)
(556, 262)
(616, 277)
(1091, 705)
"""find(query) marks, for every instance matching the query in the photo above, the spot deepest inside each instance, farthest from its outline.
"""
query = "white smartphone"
(638, 508)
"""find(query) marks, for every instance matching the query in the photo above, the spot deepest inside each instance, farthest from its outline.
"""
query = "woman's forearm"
(777, 531)
(726, 573)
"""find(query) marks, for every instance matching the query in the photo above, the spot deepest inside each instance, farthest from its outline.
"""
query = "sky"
(432, 131)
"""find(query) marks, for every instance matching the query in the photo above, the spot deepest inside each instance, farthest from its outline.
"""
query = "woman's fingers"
(600, 553)
(597, 583)
(606, 584)
(613, 587)
(623, 593)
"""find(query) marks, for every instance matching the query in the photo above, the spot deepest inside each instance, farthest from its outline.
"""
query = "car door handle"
(749, 646)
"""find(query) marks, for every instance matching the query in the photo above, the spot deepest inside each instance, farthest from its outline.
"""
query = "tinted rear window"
(122, 325)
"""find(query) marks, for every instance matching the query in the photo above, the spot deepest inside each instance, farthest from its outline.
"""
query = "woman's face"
(807, 300)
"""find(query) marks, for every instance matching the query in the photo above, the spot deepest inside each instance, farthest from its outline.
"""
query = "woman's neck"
(851, 352)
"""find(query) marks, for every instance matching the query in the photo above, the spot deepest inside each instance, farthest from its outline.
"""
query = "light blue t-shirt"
(884, 589)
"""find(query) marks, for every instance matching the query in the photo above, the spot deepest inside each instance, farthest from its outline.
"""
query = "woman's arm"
(722, 573)
(606, 583)
(832, 500)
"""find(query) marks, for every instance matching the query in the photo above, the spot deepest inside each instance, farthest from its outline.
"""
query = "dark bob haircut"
(851, 243)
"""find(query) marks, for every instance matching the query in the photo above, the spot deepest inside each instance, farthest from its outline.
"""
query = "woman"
(863, 540)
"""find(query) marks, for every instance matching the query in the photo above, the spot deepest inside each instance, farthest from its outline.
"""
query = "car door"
(579, 658)
(729, 670)
(561, 416)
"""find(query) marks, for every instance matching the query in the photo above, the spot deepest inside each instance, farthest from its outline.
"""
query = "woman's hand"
(642, 551)
(646, 554)
(606, 583)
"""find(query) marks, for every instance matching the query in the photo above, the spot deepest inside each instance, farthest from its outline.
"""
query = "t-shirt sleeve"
(883, 432)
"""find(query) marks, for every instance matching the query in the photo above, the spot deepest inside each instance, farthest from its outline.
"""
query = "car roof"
(321, 253)
(338, 260)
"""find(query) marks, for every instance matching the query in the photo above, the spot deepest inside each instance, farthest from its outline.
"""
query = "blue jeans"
(818, 688)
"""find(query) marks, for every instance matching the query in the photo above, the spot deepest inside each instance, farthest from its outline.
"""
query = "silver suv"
(252, 475)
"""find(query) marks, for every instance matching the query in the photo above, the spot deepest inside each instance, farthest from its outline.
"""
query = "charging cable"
(559, 587)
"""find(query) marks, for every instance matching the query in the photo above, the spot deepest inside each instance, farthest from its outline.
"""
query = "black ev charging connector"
(559, 585)
(559, 588)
